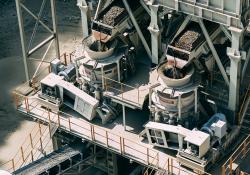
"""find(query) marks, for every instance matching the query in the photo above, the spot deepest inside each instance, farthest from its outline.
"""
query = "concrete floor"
(14, 127)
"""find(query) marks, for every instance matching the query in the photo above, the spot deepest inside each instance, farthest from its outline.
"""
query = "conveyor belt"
(50, 163)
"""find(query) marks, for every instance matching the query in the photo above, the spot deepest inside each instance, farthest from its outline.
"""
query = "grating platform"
(55, 161)
(111, 136)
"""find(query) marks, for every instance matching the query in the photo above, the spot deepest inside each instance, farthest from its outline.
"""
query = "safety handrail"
(155, 158)
(240, 152)
(121, 89)
(65, 120)
(27, 147)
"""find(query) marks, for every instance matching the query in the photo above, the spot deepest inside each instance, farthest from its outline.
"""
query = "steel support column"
(55, 143)
(54, 21)
(118, 71)
(84, 17)
(155, 32)
(23, 39)
(235, 68)
(124, 117)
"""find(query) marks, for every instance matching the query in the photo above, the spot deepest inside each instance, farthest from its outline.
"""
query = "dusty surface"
(13, 126)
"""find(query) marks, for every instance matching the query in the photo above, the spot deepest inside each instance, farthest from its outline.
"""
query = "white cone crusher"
(95, 61)
(108, 52)
(179, 120)
(175, 101)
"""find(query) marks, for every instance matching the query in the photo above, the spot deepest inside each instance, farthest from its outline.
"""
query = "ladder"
(112, 163)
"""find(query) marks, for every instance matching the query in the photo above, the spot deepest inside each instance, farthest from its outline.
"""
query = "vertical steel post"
(155, 32)
(235, 68)
(54, 22)
(84, 17)
(118, 71)
(13, 164)
(31, 142)
(23, 40)
(196, 100)
(124, 117)
(179, 106)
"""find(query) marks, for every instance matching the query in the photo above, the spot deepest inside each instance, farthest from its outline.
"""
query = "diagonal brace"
(214, 52)
(34, 16)
(36, 24)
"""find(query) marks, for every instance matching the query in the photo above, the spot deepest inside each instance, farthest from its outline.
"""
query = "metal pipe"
(210, 43)
(54, 21)
(144, 42)
(23, 44)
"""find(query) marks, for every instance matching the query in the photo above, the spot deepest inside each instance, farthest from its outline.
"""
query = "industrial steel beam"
(38, 46)
(34, 16)
(22, 36)
(124, 117)
(26, 52)
(41, 62)
(145, 6)
(36, 25)
(84, 17)
(226, 32)
(235, 68)
(155, 33)
(144, 42)
(54, 21)
(245, 65)
(214, 52)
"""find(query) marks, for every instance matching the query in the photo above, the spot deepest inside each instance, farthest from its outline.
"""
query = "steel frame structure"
(27, 51)
(233, 29)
